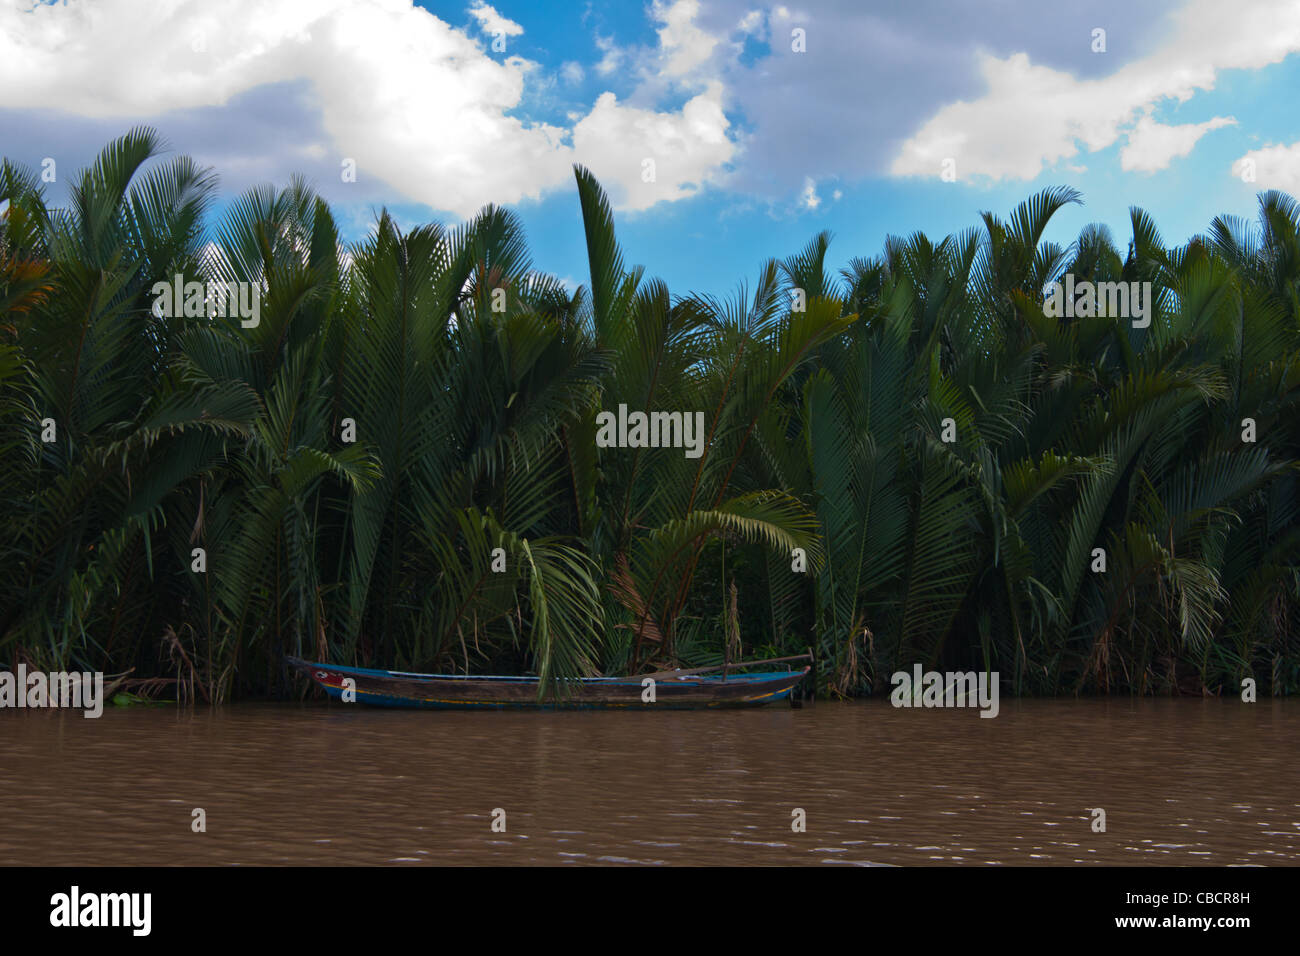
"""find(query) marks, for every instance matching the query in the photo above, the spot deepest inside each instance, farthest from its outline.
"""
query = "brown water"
(1181, 781)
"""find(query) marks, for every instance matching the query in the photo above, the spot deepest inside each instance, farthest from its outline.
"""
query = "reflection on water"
(1181, 781)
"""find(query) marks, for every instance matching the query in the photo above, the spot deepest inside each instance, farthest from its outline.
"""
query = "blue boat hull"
(382, 688)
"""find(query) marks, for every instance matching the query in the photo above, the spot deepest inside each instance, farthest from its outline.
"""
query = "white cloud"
(688, 147)
(372, 67)
(1033, 116)
(751, 22)
(683, 44)
(493, 23)
(809, 198)
(418, 104)
(612, 58)
(1275, 167)
(572, 72)
(1152, 146)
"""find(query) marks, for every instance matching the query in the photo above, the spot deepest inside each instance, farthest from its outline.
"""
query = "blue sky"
(756, 144)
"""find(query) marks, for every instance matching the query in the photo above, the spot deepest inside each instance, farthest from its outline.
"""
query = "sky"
(726, 132)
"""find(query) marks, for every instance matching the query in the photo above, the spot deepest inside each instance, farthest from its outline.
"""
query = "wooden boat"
(673, 690)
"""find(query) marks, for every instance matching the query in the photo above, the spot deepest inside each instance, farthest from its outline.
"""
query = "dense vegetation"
(475, 430)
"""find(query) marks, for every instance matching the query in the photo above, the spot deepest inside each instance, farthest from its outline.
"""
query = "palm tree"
(908, 460)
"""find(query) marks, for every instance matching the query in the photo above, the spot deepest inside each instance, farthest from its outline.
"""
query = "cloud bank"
(416, 102)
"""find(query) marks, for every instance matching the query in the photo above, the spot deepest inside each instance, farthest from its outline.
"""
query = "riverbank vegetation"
(947, 457)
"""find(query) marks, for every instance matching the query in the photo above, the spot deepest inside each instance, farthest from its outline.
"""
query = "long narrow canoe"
(671, 690)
